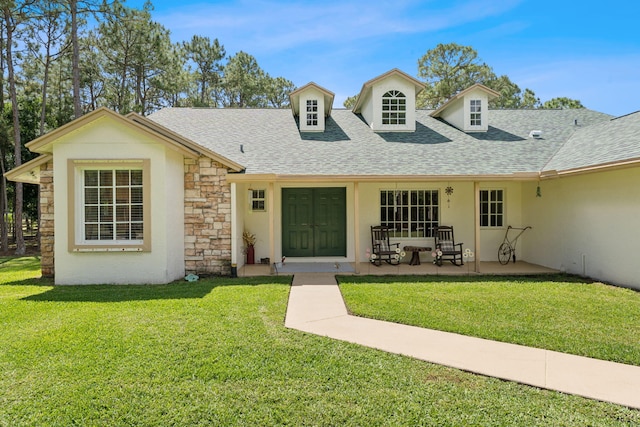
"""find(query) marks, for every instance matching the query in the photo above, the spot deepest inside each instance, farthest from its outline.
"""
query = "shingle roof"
(606, 142)
(267, 141)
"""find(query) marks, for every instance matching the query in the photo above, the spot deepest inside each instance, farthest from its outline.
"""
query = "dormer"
(312, 105)
(388, 102)
(469, 109)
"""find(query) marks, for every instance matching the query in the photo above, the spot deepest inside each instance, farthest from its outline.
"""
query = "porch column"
(356, 225)
(272, 233)
(476, 225)
(234, 224)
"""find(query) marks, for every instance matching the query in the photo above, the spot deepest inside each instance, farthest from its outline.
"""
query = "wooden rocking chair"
(445, 244)
(382, 249)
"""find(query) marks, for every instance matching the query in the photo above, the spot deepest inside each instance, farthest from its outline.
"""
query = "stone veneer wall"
(46, 220)
(207, 217)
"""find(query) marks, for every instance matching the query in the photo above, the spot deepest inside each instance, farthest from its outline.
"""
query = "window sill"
(108, 249)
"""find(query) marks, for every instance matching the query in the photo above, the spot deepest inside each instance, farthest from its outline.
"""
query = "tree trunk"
(17, 216)
(45, 81)
(75, 59)
(4, 230)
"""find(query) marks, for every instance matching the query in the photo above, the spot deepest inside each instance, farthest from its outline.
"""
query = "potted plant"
(249, 240)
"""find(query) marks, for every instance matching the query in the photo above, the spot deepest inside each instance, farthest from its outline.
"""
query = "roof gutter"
(610, 166)
(244, 178)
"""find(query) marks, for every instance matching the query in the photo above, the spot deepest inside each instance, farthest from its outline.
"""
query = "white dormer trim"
(378, 113)
(469, 109)
(312, 104)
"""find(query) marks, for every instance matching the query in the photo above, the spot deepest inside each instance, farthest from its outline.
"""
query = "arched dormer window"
(394, 108)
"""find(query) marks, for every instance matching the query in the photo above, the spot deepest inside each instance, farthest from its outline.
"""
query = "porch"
(425, 268)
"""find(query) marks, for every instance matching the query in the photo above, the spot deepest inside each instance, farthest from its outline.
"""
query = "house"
(131, 199)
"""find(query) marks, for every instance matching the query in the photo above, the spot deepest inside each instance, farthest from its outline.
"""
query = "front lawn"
(215, 352)
(559, 313)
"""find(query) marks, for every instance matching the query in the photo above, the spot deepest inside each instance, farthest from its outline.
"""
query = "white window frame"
(475, 113)
(78, 206)
(492, 207)
(258, 197)
(410, 213)
(312, 112)
(394, 108)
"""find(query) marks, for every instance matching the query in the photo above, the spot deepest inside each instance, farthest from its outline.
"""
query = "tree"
(206, 55)
(76, 9)
(243, 83)
(4, 149)
(449, 69)
(14, 15)
(137, 52)
(562, 103)
(277, 91)
(529, 99)
(47, 43)
(350, 102)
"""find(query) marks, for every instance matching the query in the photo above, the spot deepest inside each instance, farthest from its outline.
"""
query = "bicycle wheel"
(504, 253)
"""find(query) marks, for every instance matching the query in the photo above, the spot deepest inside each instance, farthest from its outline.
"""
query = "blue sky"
(585, 50)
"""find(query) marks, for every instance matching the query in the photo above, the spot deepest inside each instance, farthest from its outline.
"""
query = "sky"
(584, 50)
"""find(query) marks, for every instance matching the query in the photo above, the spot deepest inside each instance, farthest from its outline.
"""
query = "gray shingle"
(272, 143)
(610, 141)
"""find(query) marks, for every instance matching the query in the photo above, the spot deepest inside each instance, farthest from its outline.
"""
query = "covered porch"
(408, 204)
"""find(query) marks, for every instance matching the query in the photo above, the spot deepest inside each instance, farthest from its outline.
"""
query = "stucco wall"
(311, 94)
(588, 225)
(459, 114)
(106, 138)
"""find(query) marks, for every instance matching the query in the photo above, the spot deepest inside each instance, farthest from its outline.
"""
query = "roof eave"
(186, 143)
(29, 172)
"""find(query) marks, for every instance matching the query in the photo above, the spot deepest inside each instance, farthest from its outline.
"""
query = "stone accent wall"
(46, 220)
(207, 217)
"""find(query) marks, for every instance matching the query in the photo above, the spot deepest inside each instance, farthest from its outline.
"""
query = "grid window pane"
(491, 208)
(122, 177)
(91, 196)
(409, 213)
(106, 178)
(91, 178)
(258, 200)
(113, 201)
(122, 213)
(394, 108)
(136, 177)
(475, 110)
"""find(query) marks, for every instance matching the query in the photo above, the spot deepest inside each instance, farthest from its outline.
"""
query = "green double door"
(314, 222)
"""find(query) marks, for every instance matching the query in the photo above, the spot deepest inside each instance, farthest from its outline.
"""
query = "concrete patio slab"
(316, 306)
(425, 268)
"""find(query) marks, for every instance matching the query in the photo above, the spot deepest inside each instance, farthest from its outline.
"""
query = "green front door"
(314, 222)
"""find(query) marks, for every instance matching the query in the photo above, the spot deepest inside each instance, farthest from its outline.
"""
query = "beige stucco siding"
(109, 139)
(586, 224)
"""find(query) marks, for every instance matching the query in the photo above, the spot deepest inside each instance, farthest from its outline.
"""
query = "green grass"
(215, 352)
(558, 313)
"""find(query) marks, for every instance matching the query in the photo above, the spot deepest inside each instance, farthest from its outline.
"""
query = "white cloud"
(276, 26)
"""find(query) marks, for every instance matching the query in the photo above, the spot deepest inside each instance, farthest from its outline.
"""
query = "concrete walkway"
(316, 306)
